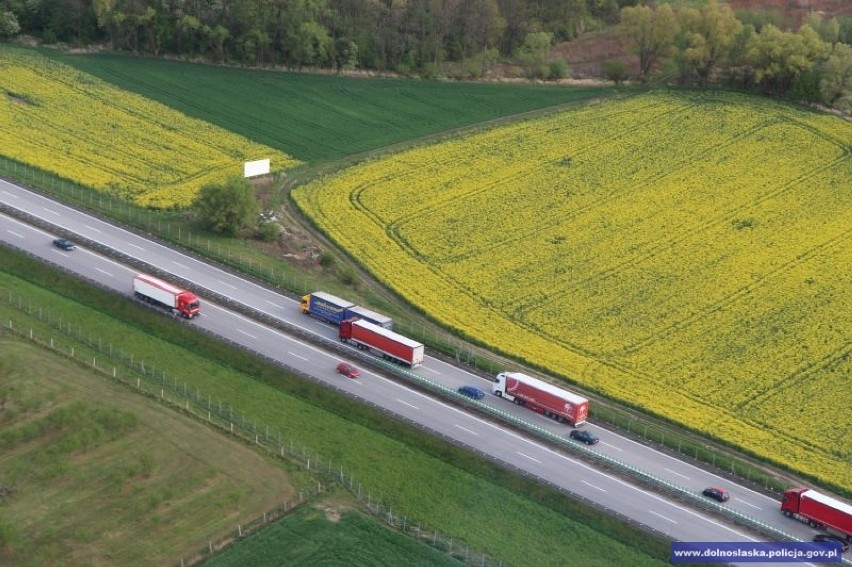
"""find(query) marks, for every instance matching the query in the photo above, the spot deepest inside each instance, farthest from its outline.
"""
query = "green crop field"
(440, 486)
(103, 476)
(686, 253)
(70, 123)
(320, 117)
(324, 536)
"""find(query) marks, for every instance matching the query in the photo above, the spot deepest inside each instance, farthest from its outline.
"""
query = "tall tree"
(837, 74)
(711, 31)
(778, 57)
(652, 30)
(9, 26)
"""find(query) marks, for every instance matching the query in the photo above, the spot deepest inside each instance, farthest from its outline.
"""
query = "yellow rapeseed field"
(75, 125)
(686, 252)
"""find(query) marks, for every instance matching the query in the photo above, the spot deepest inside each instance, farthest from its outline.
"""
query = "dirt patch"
(334, 510)
(19, 99)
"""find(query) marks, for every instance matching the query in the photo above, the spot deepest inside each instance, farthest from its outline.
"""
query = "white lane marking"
(104, 272)
(593, 486)
(249, 335)
(432, 370)
(277, 334)
(485, 423)
(227, 284)
(678, 474)
(131, 244)
(580, 464)
(92, 228)
(51, 212)
(179, 264)
(750, 504)
(698, 470)
(296, 355)
(611, 445)
(663, 517)
(406, 403)
(13, 233)
(466, 429)
(11, 194)
(271, 303)
(528, 457)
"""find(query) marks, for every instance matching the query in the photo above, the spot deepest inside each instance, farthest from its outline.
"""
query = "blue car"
(472, 392)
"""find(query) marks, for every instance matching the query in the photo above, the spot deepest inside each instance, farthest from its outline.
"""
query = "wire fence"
(74, 343)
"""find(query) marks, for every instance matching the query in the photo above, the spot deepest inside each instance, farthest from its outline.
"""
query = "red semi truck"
(542, 397)
(818, 510)
(163, 294)
(390, 345)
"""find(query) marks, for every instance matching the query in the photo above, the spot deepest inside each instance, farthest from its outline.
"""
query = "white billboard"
(255, 168)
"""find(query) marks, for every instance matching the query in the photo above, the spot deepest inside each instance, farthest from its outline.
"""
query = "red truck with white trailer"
(542, 397)
(168, 296)
(818, 510)
(392, 346)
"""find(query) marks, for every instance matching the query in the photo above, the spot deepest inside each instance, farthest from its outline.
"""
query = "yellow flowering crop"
(86, 130)
(688, 253)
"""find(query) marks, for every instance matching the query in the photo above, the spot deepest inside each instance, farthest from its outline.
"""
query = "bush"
(268, 231)
(327, 260)
(558, 69)
(615, 71)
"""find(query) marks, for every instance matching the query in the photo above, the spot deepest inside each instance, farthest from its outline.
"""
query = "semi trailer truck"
(390, 345)
(541, 397)
(168, 296)
(335, 310)
(818, 510)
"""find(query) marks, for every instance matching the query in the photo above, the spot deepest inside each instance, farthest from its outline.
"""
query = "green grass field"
(104, 476)
(322, 535)
(316, 118)
(442, 486)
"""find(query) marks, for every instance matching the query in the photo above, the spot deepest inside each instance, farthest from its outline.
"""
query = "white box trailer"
(163, 294)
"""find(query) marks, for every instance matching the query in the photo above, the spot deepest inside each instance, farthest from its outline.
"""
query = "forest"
(692, 42)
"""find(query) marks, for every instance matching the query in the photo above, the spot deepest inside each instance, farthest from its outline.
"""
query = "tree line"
(372, 34)
(697, 45)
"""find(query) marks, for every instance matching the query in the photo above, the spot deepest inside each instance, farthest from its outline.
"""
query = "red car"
(348, 370)
(719, 494)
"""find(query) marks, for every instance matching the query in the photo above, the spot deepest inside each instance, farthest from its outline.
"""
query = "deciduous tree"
(652, 30)
(227, 207)
(710, 33)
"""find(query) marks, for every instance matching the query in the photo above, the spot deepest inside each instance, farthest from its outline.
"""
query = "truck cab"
(188, 305)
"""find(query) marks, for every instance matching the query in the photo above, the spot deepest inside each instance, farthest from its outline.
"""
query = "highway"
(672, 518)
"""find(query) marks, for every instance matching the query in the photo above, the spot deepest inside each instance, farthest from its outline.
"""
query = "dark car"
(844, 545)
(348, 370)
(64, 244)
(719, 494)
(472, 392)
(584, 436)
